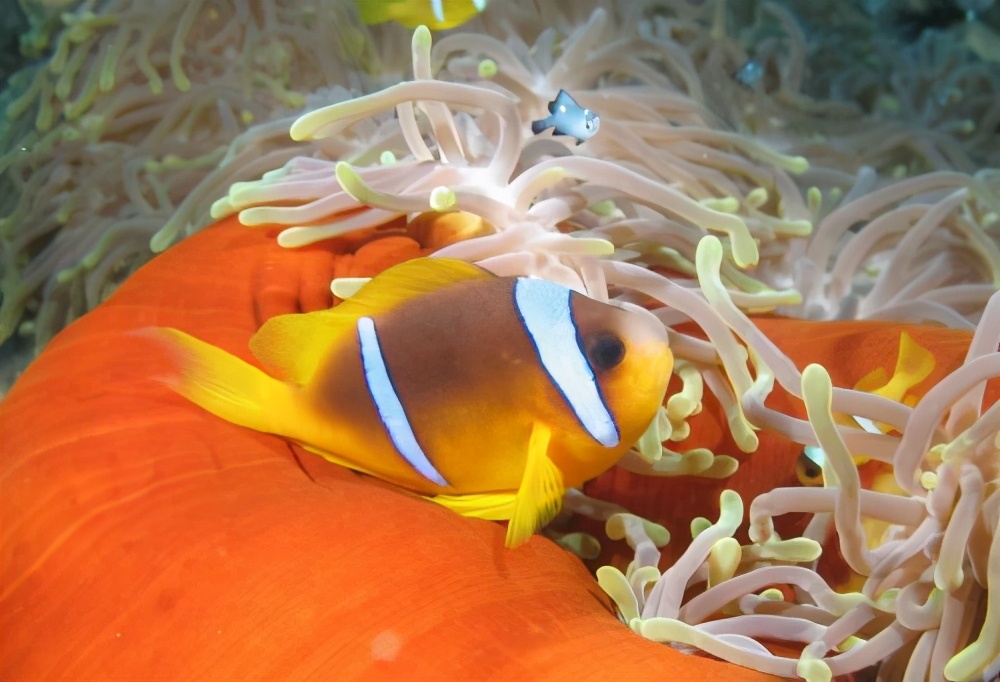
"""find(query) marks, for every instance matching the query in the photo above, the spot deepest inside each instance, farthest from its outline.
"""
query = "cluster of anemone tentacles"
(697, 193)
(660, 190)
(114, 145)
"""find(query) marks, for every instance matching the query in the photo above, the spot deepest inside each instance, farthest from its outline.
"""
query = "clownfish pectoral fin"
(540, 496)
(535, 503)
(224, 384)
(294, 345)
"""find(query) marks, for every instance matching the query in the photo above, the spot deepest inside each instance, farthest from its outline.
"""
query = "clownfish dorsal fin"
(913, 364)
(539, 498)
(408, 281)
(294, 345)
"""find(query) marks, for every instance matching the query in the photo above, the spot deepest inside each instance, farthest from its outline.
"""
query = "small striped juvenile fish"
(436, 15)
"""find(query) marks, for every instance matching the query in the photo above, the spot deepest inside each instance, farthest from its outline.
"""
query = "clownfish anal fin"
(540, 496)
(489, 506)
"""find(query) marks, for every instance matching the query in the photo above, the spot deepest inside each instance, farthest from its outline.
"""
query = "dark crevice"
(298, 462)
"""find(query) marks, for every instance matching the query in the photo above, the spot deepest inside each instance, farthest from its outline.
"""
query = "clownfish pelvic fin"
(536, 502)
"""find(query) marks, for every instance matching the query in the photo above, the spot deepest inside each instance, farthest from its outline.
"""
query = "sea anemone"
(605, 219)
(118, 142)
(709, 198)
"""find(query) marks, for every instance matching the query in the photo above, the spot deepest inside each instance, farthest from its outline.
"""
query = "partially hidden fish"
(436, 15)
(488, 395)
(566, 117)
(913, 364)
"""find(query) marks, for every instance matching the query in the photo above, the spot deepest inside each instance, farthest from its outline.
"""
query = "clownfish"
(436, 15)
(914, 363)
(810, 464)
(488, 395)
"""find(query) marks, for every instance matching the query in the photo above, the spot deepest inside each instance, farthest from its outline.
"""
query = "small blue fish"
(750, 73)
(568, 118)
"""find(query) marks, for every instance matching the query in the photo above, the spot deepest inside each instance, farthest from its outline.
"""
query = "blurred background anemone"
(124, 120)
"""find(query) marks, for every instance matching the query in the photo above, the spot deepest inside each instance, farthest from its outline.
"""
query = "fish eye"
(589, 125)
(808, 471)
(606, 351)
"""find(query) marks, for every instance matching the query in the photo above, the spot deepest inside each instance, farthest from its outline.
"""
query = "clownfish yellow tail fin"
(223, 384)
(540, 496)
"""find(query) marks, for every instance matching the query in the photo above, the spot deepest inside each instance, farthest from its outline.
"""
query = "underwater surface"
(390, 339)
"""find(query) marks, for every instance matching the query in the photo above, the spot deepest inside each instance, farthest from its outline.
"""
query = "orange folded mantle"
(143, 538)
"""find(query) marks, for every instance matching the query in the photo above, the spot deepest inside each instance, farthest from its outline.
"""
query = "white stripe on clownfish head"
(437, 6)
(546, 313)
(818, 455)
(390, 409)
(868, 425)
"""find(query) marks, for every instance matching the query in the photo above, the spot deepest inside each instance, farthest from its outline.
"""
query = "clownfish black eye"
(606, 351)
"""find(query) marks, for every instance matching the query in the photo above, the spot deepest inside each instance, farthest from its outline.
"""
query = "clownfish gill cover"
(627, 216)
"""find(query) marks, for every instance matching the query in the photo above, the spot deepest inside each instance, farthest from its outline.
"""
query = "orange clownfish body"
(489, 395)
(436, 15)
